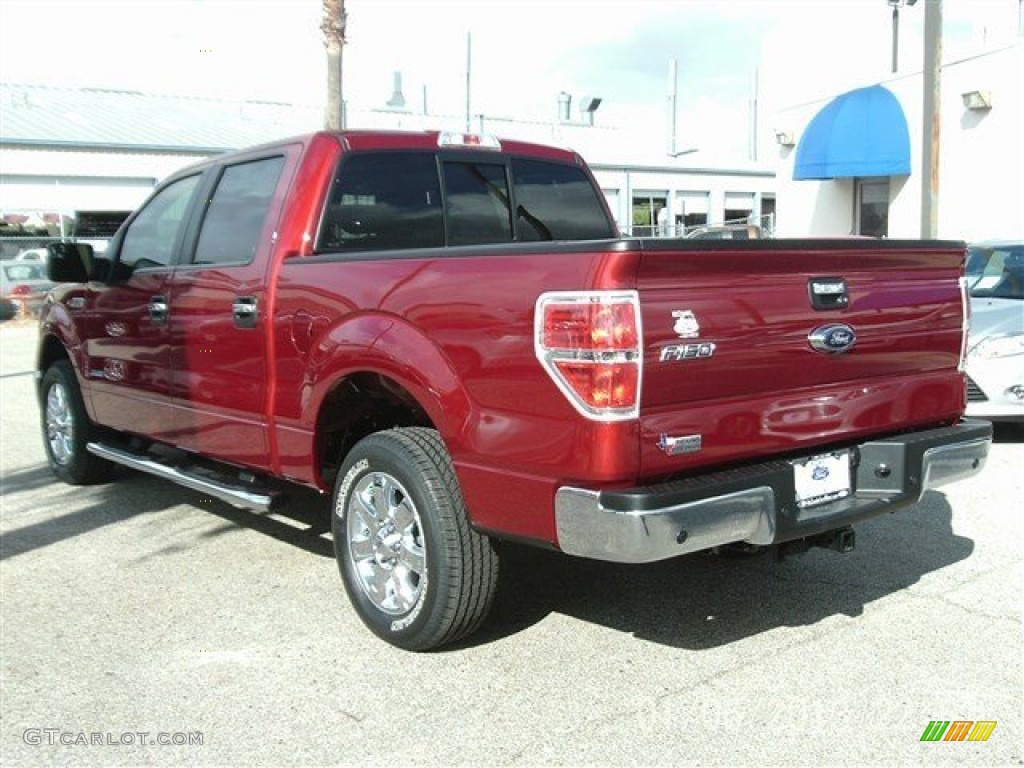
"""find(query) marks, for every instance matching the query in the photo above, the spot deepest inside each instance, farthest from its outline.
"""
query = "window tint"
(556, 202)
(150, 240)
(384, 200)
(477, 199)
(236, 212)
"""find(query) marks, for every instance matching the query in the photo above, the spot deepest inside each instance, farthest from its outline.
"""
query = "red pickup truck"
(449, 333)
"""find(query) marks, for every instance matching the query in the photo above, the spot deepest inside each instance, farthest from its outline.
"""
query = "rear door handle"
(158, 310)
(245, 311)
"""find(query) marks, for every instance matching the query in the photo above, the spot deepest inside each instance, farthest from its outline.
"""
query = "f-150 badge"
(686, 326)
(678, 352)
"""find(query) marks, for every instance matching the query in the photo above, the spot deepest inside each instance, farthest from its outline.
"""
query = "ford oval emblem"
(832, 339)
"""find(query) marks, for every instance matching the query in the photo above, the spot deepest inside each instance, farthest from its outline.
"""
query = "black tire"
(67, 429)
(418, 576)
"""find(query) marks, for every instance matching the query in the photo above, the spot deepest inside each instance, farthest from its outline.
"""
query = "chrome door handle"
(245, 311)
(158, 309)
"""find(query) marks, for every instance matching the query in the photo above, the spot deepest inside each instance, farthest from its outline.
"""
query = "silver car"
(24, 285)
(995, 356)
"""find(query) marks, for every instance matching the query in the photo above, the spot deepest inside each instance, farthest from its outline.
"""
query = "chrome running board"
(235, 493)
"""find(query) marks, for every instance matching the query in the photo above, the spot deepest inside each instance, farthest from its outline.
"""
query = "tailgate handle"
(828, 293)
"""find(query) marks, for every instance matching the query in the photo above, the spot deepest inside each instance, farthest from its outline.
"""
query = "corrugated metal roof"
(35, 115)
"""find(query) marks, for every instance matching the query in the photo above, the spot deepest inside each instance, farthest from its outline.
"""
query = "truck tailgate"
(777, 346)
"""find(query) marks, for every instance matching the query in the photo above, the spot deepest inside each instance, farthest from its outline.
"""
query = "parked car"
(8, 308)
(726, 232)
(24, 284)
(995, 358)
(33, 255)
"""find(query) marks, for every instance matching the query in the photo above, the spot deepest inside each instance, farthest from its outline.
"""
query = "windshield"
(23, 271)
(996, 272)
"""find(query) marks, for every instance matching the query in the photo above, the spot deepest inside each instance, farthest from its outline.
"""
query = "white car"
(33, 255)
(995, 351)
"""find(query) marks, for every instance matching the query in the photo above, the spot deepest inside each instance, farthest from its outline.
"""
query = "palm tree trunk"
(333, 28)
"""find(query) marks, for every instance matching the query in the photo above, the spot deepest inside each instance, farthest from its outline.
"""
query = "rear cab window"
(557, 202)
(236, 212)
(382, 201)
(397, 199)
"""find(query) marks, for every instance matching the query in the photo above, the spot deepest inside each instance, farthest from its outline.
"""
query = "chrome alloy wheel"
(385, 539)
(60, 429)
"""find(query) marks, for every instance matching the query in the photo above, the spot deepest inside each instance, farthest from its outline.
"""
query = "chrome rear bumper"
(756, 504)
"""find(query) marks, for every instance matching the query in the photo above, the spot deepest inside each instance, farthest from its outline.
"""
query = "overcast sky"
(524, 52)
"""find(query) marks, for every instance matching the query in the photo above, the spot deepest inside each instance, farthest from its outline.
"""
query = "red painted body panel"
(454, 328)
(220, 371)
(127, 357)
(765, 389)
(467, 357)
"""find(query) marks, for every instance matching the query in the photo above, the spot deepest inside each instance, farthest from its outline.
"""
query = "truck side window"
(151, 237)
(478, 203)
(237, 211)
(556, 202)
(382, 200)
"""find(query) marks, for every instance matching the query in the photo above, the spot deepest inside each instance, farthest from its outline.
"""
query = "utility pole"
(931, 124)
(673, 95)
(332, 26)
(895, 37)
(469, 70)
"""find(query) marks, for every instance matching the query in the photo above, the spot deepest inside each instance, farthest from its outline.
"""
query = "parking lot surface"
(144, 624)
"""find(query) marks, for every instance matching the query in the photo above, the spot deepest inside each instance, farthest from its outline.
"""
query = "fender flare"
(392, 347)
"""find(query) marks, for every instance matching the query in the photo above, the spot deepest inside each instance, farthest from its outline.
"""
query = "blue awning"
(860, 133)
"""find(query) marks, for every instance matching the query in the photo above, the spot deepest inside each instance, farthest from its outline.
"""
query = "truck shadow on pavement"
(301, 523)
(107, 504)
(704, 601)
(26, 479)
(696, 602)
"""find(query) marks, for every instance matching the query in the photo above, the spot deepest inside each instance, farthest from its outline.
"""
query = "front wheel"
(67, 429)
(417, 574)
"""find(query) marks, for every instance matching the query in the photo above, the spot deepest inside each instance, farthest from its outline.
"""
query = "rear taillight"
(590, 343)
(20, 290)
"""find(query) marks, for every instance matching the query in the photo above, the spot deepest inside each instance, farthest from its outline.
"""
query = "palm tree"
(333, 28)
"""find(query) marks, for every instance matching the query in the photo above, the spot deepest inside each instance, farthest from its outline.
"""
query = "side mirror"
(69, 262)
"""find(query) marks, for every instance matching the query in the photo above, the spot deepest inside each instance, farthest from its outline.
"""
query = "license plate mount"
(822, 479)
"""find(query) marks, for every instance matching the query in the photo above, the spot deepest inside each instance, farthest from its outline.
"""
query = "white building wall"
(69, 179)
(619, 185)
(981, 159)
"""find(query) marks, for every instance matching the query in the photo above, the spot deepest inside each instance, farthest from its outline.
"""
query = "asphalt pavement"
(145, 625)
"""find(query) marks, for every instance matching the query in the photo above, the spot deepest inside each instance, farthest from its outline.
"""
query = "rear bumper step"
(236, 493)
(757, 504)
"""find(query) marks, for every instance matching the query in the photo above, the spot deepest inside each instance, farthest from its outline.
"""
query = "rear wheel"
(67, 429)
(417, 574)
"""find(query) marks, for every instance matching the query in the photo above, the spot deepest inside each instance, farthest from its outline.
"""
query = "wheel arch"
(50, 350)
(378, 372)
